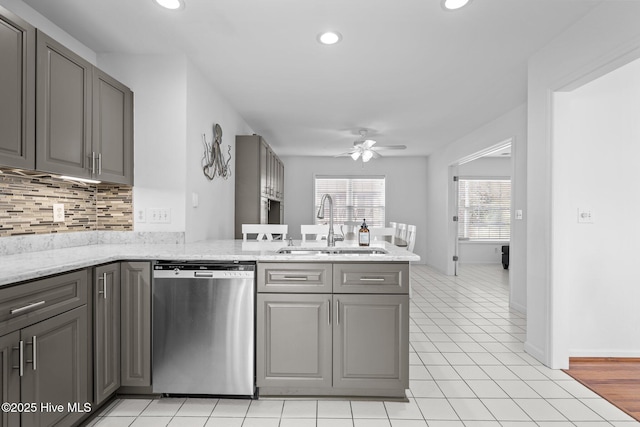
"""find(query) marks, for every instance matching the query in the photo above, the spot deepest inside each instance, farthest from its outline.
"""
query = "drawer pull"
(202, 274)
(26, 307)
(372, 279)
(303, 278)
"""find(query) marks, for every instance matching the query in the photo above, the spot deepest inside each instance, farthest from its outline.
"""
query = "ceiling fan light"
(355, 155)
(367, 155)
(170, 4)
(454, 4)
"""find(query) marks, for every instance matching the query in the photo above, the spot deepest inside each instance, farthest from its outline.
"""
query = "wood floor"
(615, 379)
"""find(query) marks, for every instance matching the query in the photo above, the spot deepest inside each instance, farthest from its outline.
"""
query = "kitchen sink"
(331, 251)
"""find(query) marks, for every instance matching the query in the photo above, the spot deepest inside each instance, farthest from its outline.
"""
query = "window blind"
(484, 209)
(354, 199)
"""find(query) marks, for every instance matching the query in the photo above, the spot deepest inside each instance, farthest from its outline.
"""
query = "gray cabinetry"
(63, 131)
(17, 89)
(9, 378)
(293, 333)
(259, 183)
(371, 341)
(333, 329)
(112, 124)
(84, 117)
(44, 345)
(136, 324)
(106, 306)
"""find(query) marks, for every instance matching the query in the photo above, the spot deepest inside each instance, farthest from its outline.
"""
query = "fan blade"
(390, 147)
(376, 155)
(348, 153)
(368, 143)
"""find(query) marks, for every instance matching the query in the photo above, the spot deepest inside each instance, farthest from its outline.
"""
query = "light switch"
(518, 213)
(141, 215)
(585, 216)
(194, 200)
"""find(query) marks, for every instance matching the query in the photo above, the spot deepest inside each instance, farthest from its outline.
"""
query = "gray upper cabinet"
(106, 297)
(63, 129)
(17, 89)
(84, 117)
(112, 129)
(136, 324)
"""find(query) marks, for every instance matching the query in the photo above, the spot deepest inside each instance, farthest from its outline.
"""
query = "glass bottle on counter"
(363, 234)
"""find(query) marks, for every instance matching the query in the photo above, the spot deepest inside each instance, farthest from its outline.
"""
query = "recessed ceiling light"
(454, 4)
(329, 37)
(170, 4)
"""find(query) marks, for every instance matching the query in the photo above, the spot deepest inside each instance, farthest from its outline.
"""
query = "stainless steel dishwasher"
(203, 328)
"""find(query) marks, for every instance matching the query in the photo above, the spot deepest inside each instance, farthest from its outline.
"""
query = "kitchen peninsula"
(329, 321)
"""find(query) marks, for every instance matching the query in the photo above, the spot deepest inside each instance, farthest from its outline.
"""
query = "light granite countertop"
(32, 265)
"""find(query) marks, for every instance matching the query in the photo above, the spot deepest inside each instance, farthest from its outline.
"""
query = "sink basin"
(290, 250)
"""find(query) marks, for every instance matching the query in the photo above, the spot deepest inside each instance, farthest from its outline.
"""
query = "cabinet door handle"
(20, 366)
(27, 307)
(99, 163)
(34, 349)
(93, 163)
(372, 279)
(338, 311)
(104, 285)
(329, 312)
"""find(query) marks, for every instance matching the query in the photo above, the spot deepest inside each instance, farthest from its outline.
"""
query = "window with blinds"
(354, 199)
(484, 209)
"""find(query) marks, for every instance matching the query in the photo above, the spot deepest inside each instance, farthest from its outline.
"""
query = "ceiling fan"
(366, 149)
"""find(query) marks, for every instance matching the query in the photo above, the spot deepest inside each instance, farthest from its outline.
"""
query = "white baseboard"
(604, 353)
(535, 352)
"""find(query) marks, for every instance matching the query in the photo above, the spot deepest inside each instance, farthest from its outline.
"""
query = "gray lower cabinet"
(17, 86)
(9, 377)
(135, 365)
(294, 340)
(316, 338)
(106, 308)
(371, 341)
(44, 349)
(57, 369)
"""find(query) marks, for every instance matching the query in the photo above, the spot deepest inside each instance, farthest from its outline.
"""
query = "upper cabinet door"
(112, 129)
(63, 106)
(17, 91)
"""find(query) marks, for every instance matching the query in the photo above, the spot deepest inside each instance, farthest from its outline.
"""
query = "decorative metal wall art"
(213, 162)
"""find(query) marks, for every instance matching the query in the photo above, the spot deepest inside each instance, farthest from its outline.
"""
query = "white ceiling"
(407, 69)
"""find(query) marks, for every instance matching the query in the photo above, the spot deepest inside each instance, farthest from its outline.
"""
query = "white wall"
(602, 41)
(483, 252)
(440, 244)
(405, 189)
(159, 84)
(597, 125)
(214, 216)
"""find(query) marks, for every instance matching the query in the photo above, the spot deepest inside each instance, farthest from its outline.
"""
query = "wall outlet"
(58, 212)
(141, 216)
(518, 213)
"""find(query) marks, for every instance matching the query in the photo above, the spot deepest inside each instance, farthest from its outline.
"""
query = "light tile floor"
(468, 369)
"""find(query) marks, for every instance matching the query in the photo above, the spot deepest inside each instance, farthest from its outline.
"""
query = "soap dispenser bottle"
(363, 234)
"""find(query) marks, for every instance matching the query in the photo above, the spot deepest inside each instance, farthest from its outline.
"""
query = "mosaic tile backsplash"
(26, 205)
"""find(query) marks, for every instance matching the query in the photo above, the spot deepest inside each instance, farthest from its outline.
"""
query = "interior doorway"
(481, 206)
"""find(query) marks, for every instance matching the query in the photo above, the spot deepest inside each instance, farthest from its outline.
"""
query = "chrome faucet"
(331, 237)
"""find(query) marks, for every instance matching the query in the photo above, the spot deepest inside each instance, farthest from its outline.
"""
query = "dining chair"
(265, 231)
(381, 233)
(320, 231)
(411, 237)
